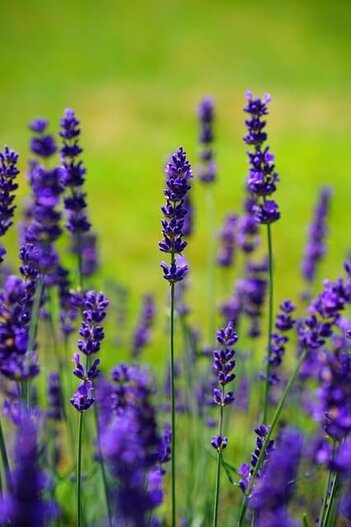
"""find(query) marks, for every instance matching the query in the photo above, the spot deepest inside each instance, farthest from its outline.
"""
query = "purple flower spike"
(83, 398)
(207, 168)
(262, 179)
(8, 174)
(315, 249)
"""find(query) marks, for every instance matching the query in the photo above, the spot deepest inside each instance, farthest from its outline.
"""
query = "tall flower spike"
(315, 248)
(8, 174)
(223, 365)
(262, 177)
(178, 172)
(207, 168)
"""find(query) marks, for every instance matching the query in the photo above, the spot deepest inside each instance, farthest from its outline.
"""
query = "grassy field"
(134, 72)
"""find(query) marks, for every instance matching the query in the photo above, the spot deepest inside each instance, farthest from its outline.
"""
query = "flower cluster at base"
(262, 178)
(207, 169)
(92, 334)
(223, 365)
(178, 172)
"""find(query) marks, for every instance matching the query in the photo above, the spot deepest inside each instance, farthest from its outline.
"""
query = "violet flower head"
(276, 486)
(207, 168)
(262, 177)
(27, 505)
(283, 324)
(223, 366)
(246, 470)
(178, 172)
(133, 450)
(42, 144)
(92, 334)
(55, 399)
(75, 204)
(316, 248)
(142, 333)
(8, 174)
(227, 238)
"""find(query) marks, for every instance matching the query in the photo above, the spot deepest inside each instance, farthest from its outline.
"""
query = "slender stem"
(211, 263)
(79, 469)
(270, 323)
(173, 441)
(79, 260)
(272, 427)
(326, 493)
(102, 465)
(218, 474)
(5, 459)
(333, 494)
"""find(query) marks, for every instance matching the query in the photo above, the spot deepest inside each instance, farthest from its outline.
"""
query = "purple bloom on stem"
(41, 144)
(8, 174)
(262, 177)
(227, 237)
(142, 333)
(55, 399)
(246, 471)
(207, 169)
(315, 248)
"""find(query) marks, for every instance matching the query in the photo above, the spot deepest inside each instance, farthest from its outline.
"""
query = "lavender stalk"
(261, 183)
(178, 172)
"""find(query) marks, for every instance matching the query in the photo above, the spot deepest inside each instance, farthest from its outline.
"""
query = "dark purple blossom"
(262, 177)
(142, 333)
(315, 248)
(246, 470)
(42, 144)
(207, 169)
(178, 172)
(8, 174)
(55, 399)
(227, 238)
(26, 505)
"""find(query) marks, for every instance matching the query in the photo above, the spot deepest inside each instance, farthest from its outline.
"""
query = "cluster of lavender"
(262, 178)
(133, 448)
(129, 442)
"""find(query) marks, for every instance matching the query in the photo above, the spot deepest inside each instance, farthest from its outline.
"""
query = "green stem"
(326, 493)
(173, 441)
(270, 323)
(211, 264)
(333, 494)
(218, 474)
(272, 427)
(102, 465)
(79, 469)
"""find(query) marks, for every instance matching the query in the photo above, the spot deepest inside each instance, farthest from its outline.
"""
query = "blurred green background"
(135, 71)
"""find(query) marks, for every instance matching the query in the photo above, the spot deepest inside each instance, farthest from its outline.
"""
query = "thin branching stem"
(270, 323)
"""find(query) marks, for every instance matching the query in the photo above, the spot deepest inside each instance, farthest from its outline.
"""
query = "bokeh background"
(135, 71)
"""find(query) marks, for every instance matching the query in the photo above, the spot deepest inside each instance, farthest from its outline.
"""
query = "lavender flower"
(227, 237)
(42, 144)
(142, 333)
(315, 248)
(246, 470)
(132, 449)
(207, 169)
(284, 323)
(262, 178)
(8, 173)
(55, 399)
(223, 365)
(92, 334)
(178, 173)
(276, 486)
(26, 504)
